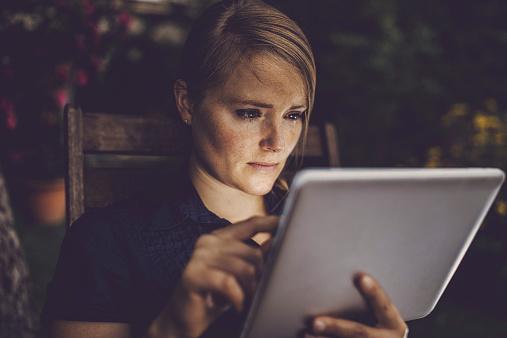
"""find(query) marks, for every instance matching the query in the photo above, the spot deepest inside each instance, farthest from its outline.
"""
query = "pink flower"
(81, 78)
(11, 121)
(124, 19)
(62, 72)
(7, 107)
(61, 97)
(88, 7)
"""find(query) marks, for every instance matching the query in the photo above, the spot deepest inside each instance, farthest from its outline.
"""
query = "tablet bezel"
(308, 176)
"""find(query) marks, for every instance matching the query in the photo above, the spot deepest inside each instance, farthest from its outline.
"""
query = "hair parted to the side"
(231, 30)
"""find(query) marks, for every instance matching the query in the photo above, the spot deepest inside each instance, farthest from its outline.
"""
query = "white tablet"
(409, 228)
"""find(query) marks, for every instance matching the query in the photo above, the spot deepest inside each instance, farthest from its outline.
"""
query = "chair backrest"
(110, 157)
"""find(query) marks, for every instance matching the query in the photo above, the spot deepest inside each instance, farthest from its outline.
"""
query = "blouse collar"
(184, 205)
(192, 206)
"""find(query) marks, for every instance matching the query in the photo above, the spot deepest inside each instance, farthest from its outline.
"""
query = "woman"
(172, 266)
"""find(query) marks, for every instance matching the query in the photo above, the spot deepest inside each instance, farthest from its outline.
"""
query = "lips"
(264, 166)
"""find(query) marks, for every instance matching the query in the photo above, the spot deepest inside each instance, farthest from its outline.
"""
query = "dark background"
(420, 83)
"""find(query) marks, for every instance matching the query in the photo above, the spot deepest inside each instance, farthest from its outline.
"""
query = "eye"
(248, 114)
(295, 115)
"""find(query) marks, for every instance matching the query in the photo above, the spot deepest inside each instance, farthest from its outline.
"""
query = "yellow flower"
(434, 157)
(491, 105)
(457, 110)
(480, 138)
(493, 122)
(501, 208)
(483, 121)
(480, 121)
(456, 150)
(500, 138)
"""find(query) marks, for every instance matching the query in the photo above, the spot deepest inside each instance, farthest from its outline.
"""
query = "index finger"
(386, 313)
(246, 229)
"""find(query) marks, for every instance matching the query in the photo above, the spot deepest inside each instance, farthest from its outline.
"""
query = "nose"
(272, 139)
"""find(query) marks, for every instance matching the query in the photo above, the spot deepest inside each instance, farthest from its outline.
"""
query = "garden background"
(418, 83)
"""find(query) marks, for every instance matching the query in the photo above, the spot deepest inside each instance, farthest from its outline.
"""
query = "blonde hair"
(230, 30)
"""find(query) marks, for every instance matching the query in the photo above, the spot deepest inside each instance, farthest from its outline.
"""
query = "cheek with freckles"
(222, 144)
(234, 147)
(291, 134)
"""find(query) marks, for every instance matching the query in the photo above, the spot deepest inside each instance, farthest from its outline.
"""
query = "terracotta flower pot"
(45, 200)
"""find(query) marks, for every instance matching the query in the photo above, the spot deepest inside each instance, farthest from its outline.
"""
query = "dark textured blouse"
(120, 263)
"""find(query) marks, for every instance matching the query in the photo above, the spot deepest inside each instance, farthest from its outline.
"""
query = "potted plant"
(49, 49)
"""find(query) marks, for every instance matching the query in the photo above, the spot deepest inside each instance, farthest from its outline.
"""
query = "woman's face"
(244, 131)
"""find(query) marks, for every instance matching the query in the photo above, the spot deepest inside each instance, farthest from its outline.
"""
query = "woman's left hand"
(389, 321)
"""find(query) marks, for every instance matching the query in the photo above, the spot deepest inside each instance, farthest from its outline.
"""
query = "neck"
(225, 201)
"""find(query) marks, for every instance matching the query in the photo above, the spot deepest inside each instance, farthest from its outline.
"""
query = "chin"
(259, 187)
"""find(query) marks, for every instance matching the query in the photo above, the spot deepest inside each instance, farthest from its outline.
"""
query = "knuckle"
(257, 254)
(201, 253)
(191, 272)
(228, 282)
(204, 240)
(385, 307)
(230, 287)
(360, 332)
(248, 270)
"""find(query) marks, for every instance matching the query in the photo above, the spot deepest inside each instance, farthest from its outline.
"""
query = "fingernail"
(210, 302)
(319, 325)
(366, 282)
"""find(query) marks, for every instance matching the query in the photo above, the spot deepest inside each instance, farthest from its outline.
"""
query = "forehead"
(267, 78)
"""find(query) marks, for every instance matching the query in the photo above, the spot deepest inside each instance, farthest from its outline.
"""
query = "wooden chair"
(110, 157)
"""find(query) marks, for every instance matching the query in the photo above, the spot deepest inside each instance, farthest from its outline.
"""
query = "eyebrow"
(261, 104)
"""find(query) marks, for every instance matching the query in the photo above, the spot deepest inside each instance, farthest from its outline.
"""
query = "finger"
(384, 310)
(329, 326)
(208, 244)
(224, 284)
(245, 251)
(246, 229)
(245, 272)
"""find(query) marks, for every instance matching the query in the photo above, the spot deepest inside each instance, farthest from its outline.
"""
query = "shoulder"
(108, 260)
(147, 232)
(142, 211)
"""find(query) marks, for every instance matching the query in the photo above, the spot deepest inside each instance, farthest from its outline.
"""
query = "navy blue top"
(120, 263)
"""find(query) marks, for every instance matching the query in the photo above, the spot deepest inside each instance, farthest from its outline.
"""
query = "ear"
(183, 101)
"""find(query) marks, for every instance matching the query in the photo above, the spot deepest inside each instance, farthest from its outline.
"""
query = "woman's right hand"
(222, 271)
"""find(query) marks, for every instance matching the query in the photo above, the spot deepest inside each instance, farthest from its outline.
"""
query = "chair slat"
(73, 136)
(313, 147)
(132, 134)
(106, 185)
(333, 153)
